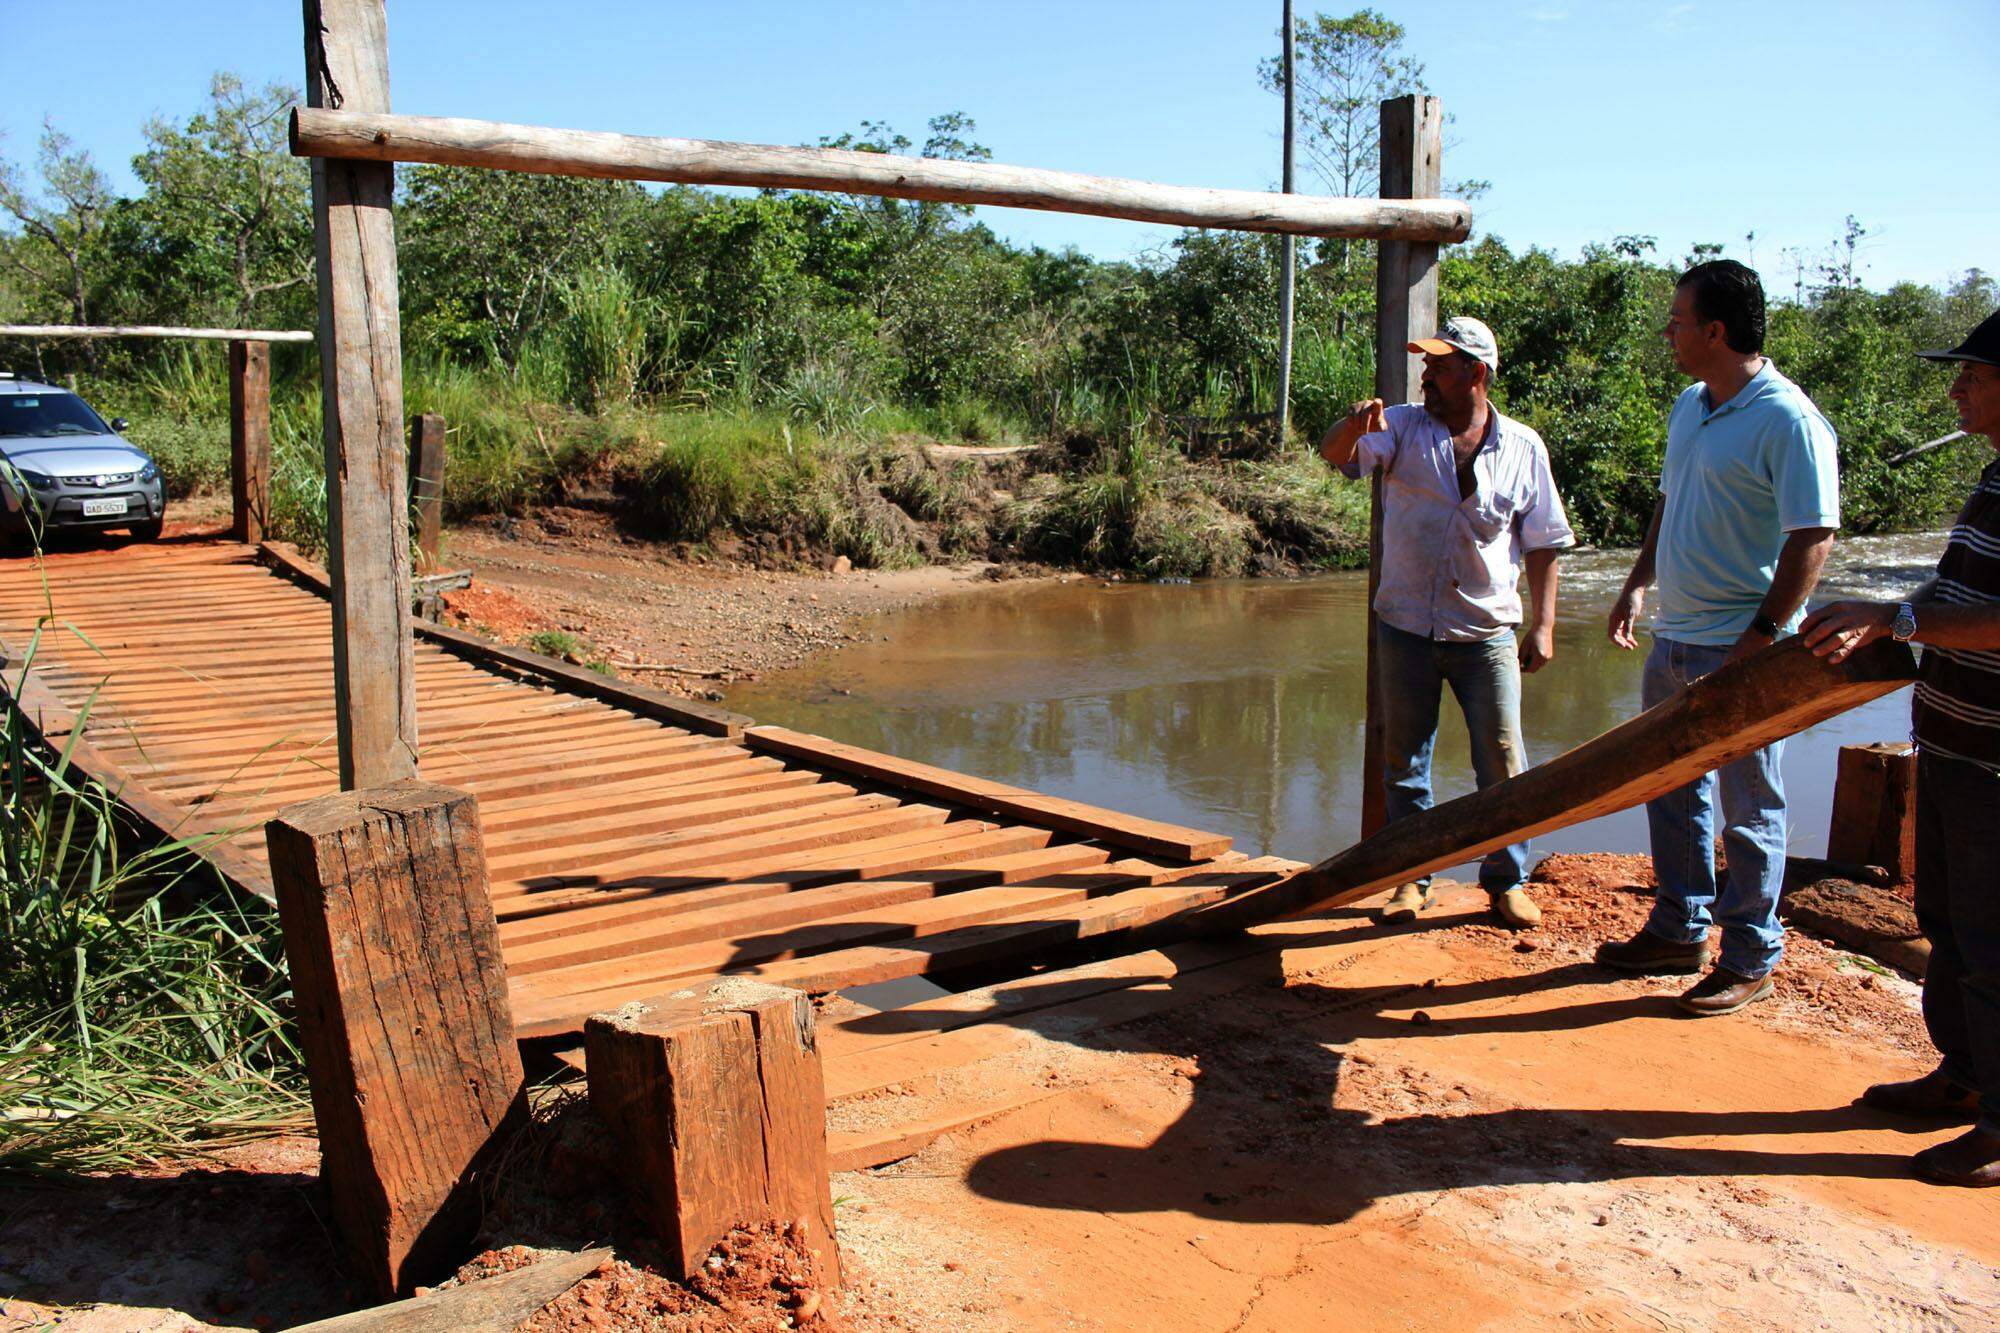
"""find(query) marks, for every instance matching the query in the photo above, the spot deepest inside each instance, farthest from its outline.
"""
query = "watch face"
(1904, 626)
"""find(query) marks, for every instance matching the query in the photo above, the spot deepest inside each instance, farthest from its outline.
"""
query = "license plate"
(102, 508)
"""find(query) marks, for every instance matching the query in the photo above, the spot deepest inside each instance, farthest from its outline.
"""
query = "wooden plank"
(348, 134)
(471, 647)
(1122, 830)
(361, 389)
(403, 1018)
(497, 1304)
(1730, 713)
(249, 439)
(1406, 307)
(427, 486)
(715, 1096)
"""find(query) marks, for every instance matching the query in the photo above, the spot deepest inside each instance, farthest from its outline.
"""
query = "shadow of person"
(1262, 1140)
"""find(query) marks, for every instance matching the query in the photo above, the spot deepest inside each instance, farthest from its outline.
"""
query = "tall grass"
(143, 1015)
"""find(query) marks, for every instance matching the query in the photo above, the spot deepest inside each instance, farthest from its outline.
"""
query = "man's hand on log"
(1836, 630)
(1624, 614)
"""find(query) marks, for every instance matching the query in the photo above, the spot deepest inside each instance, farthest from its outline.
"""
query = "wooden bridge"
(635, 842)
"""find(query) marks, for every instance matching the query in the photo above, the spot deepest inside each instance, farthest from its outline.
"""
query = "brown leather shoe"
(1936, 1095)
(1724, 992)
(1972, 1159)
(1652, 955)
(1516, 910)
(1405, 903)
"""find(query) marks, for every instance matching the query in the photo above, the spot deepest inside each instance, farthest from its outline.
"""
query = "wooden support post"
(403, 1015)
(1875, 809)
(361, 387)
(1406, 307)
(427, 487)
(717, 1098)
(249, 439)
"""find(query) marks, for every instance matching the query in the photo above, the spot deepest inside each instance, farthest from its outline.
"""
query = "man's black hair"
(1730, 293)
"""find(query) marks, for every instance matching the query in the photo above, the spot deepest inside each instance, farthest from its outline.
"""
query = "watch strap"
(1764, 625)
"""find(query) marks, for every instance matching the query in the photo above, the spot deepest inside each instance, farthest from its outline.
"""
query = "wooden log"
(497, 1304)
(361, 390)
(716, 1096)
(154, 331)
(427, 486)
(1875, 809)
(1721, 717)
(367, 133)
(249, 439)
(403, 1016)
(1406, 307)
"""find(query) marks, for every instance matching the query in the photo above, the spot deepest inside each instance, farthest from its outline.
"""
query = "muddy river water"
(1237, 705)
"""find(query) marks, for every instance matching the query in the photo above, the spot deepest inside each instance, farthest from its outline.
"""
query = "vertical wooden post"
(1875, 809)
(1406, 307)
(401, 994)
(1288, 256)
(249, 439)
(361, 378)
(427, 487)
(718, 1101)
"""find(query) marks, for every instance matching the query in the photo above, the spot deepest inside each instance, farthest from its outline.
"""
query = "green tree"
(58, 229)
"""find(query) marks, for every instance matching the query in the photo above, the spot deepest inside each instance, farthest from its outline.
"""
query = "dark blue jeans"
(1682, 824)
(1486, 677)
(1958, 908)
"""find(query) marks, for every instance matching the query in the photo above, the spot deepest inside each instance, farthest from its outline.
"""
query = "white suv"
(63, 467)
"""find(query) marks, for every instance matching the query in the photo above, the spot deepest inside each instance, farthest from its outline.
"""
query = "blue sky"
(1689, 121)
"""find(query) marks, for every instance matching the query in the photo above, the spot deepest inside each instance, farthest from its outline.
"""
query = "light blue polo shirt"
(1737, 479)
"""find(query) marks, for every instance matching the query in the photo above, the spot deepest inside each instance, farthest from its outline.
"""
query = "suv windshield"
(47, 414)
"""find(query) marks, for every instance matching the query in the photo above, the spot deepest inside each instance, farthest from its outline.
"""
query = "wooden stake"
(1406, 307)
(427, 486)
(249, 439)
(403, 1015)
(1288, 256)
(361, 378)
(718, 1099)
(1875, 809)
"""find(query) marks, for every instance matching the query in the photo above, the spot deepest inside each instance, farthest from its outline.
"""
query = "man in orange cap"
(1467, 501)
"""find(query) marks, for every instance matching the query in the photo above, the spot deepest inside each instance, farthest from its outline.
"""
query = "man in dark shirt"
(1956, 723)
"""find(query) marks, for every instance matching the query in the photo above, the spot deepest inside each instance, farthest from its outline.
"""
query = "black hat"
(1981, 345)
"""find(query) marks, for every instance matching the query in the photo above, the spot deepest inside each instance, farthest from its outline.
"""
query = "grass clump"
(142, 1015)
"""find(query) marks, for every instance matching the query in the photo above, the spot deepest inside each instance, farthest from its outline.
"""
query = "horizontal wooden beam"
(449, 141)
(153, 331)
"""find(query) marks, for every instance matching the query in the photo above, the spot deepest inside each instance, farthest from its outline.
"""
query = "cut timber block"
(403, 1015)
(717, 1096)
(1875, 809)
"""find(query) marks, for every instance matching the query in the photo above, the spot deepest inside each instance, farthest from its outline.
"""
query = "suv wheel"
(149, 531)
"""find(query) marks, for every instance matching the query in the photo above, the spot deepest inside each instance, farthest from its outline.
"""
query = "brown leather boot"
(1724, 992)
(1935, 1095)
(1652, 955)
(1972, 1160)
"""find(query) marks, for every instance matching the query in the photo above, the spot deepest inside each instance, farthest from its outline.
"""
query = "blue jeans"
(1958, 908)
(1683, 828)
(1486, 677)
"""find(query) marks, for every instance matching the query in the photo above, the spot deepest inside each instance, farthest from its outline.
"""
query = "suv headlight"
(150, 472)
(40, 481)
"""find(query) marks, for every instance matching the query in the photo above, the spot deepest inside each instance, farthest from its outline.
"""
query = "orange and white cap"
(1463, 334)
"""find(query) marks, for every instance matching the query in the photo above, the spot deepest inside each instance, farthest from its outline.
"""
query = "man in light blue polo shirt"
(1749, 500)
(1467, 500)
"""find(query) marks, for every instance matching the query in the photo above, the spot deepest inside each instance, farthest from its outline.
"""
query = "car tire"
(149, 531)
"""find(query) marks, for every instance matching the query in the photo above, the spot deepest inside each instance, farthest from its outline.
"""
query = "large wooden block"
(249, 439)
(427, 488)
(1875, 809)
(402, 1002)
(717, 1095)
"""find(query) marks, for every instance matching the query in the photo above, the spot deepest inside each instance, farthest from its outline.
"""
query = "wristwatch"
(1904, 627)
(1764, 625)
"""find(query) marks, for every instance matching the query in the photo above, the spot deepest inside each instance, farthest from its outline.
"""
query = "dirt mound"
(757, 1279)
(494, 610)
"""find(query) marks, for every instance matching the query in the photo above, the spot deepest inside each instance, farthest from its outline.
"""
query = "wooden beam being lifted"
(376, 136)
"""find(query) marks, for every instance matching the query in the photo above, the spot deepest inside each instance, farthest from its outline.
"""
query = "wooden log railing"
(358, 135)
(1721, 717)
(154, 331)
